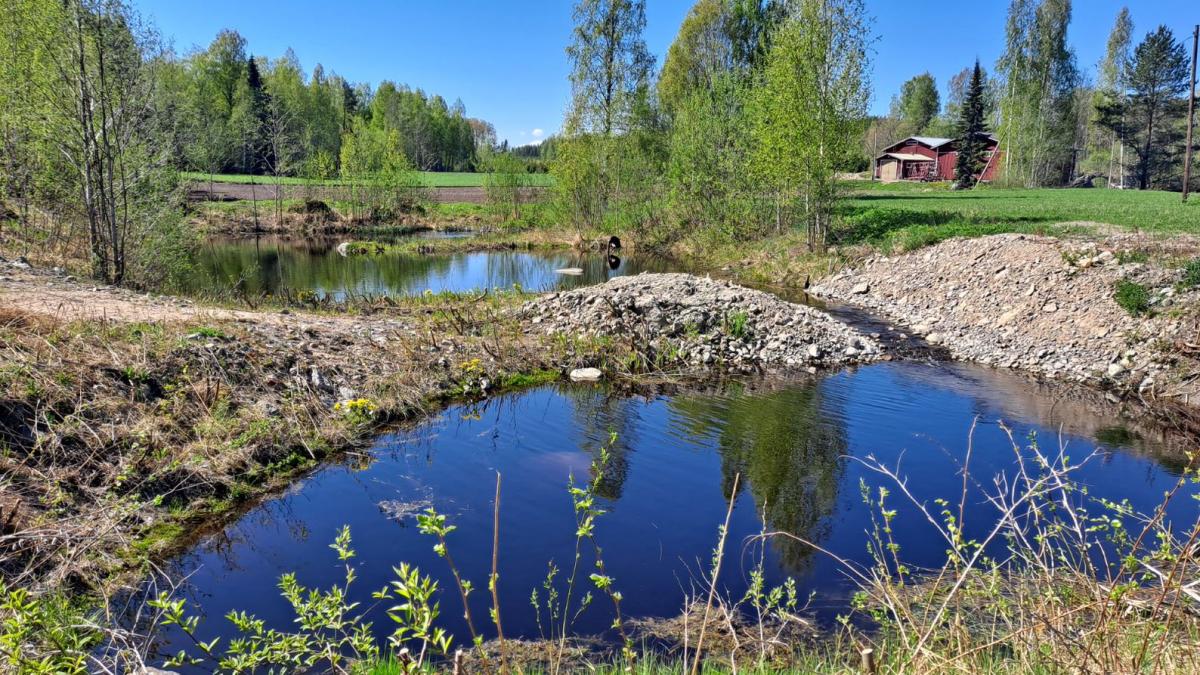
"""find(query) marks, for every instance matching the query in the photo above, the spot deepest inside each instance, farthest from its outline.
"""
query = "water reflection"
(668, 486)
(272, 264)
(787, 454)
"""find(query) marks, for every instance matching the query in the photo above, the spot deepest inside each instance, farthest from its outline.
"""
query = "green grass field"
(911, 215)
(431, 178)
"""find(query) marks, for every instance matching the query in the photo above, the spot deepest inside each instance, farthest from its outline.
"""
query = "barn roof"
(931, 141)
(906, 157)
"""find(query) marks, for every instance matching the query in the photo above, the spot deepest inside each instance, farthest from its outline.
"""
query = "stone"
(861, 289)
(586, 375)
(1115, 369)
(1007, 317)
(935, 338)
(1050, 307)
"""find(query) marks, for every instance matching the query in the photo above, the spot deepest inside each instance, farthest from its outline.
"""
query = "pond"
(797, 446)
(274, 264)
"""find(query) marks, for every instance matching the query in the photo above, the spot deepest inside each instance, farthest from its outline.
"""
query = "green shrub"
(1132, 297)
(1191, 273)
(735, 324)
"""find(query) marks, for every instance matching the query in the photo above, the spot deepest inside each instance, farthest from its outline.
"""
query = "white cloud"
(537, 133)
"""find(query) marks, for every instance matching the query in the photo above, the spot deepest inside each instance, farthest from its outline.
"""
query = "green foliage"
(701, 52)
(706, 172)
(918, 104)
(736, 324)
(506, 182)
(1191, 273)
(971, 131)
(1147, 105)
(1132, 297)
(1038, 109)
(43, 634)
(381, 182)
(331, 633)
(810, 110)
(611, 150)
(86, 137)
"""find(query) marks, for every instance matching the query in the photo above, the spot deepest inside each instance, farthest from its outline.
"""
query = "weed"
(209, 332)
(1125, 256)
(1132, 297)
(1191, 273)
(736, 324)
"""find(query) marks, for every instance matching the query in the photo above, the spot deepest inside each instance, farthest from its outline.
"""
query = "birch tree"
(610, 84)
(1110, 89)
(810, 111)
(1038, 105)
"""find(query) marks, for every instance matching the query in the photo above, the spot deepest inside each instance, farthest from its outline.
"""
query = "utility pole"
(1187, 157)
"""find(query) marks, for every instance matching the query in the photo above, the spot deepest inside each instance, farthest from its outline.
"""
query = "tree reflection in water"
(788, 450)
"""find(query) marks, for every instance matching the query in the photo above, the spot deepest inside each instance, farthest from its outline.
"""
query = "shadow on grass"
(912, 228)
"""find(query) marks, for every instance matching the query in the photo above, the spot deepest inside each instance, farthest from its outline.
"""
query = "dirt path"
(200, 191)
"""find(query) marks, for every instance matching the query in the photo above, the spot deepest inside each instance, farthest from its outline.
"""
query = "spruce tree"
(972, 132)
(258, 150)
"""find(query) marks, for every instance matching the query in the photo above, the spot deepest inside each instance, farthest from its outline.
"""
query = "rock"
(935, 338)
(860, 289)
(572, 271)
(1115, 369)
(698, 321)
(586, 375)
(1050, 307)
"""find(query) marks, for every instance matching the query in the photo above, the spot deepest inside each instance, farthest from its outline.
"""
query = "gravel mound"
(1016, 301)
(699, 321)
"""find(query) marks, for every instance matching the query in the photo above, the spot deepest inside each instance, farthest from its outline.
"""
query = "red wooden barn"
(929, 158)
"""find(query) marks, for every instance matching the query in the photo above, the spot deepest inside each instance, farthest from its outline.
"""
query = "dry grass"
(119, 437)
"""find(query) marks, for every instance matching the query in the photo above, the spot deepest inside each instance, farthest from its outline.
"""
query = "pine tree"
(972, 132)
(1145, 117)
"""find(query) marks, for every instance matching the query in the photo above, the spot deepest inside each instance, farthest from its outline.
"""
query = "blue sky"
(505, 59)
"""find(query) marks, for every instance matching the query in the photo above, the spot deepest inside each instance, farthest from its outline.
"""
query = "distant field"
(431, 178)
(915, 214)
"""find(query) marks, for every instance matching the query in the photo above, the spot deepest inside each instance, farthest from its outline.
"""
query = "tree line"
(761, 104)
(239, 113)
(1054, 124)
(98, 116)
(757, 106)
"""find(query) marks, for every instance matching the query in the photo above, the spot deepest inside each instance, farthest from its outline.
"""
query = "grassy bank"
(891, 218)
(434, 179)
(914, 214)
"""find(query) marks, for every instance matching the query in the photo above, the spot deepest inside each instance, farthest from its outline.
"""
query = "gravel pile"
(1034, 303)
(702, 322)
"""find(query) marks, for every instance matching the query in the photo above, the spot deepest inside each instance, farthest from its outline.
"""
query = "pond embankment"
(133, 420)
(1043, 305)
(698, 321)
